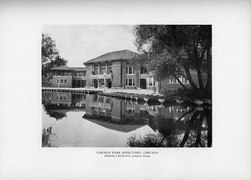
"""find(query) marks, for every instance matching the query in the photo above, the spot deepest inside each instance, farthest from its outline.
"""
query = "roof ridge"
(125, 54)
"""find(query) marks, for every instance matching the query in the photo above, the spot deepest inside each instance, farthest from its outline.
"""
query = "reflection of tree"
(195, 123)
(54, 114)
(190, 126)
(171, 132)
(46, 137)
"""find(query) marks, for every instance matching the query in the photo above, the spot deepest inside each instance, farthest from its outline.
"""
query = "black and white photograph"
(125, 90)
(127, 86)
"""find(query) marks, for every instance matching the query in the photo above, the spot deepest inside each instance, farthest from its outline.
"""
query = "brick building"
(65, 76)
(115, 70)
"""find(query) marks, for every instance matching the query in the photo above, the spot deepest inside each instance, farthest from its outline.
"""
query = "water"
(74, 120)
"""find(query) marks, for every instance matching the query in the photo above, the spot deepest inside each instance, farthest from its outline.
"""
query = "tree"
(170, 50)
(50, 55)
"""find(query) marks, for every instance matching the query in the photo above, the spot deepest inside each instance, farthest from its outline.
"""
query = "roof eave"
(102, 61)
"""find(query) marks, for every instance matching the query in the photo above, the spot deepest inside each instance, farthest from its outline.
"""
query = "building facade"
(115, 70)
(65, 76)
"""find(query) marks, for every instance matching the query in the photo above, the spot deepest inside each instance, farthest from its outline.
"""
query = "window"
(65, 81)
(108, 101)
(102, 82)
(170, 80)
(61, 81)
(152, 108)
(151, 82)
(109, 68)
(143, 70)
(130, 82)
(185, 81)
(180, 78)
(173, 80)
(95, 98)
(103, 68)
(130, 70)
(57, 81)
(101, 99)
(95, 69)
(130, 110)
(171, 109)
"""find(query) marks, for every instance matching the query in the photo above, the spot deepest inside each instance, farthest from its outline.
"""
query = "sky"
(80, 43)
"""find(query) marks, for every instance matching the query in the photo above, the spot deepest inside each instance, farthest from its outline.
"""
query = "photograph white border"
(21, 154)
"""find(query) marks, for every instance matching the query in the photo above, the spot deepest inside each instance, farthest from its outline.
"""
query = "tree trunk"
(209, 74)
(189, 77)
(198, 137)
(200, 77)
(180, 82)
(208, 114)
(189, 127)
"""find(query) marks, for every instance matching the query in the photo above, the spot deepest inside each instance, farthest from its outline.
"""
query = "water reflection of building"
(61, 98)
(174, 111)
(116, 111)
(57, 104)
(65, 99)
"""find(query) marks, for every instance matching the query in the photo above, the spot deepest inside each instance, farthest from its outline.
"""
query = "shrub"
(46, 135)
(149, 140)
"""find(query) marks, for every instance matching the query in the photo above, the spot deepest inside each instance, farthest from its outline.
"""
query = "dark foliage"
(50, 55)
(191, 134)
(171, 50)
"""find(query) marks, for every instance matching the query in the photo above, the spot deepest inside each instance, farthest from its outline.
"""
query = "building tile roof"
(112, 56)
(66, 68)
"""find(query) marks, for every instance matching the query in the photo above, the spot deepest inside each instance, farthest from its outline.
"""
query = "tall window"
(109, 68)
(102, 82)
(130, 70)
(95, 69)
(173, 80)
(151, 81)
(102, 68)
(130, 82)
(182, 79)
(130, 110)
(143, 70)
(185, 81)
